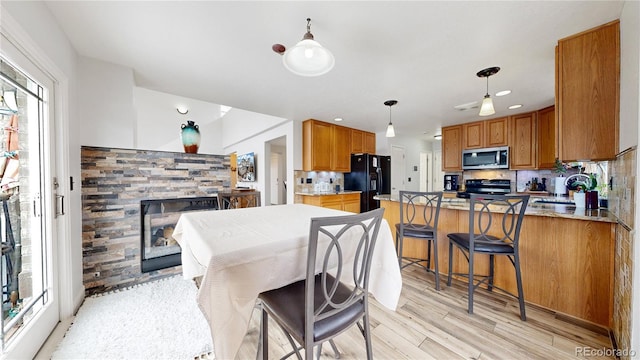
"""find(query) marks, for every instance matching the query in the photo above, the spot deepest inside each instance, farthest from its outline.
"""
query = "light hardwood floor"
(430, 324)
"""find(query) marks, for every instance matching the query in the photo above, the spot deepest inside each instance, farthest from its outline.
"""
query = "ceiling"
(425, 54)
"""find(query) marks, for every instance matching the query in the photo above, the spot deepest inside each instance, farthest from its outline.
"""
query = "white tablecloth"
(243, 252)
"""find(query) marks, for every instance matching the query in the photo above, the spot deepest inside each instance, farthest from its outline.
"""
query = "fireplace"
(159, 217)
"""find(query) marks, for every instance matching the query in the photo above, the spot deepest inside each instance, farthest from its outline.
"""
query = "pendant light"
(390, 131)
(487, 104)
(308, 57)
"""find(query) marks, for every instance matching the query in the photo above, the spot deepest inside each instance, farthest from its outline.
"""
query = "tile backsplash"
(313, 181)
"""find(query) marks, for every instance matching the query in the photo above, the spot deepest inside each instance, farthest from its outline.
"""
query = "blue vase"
(190, 135)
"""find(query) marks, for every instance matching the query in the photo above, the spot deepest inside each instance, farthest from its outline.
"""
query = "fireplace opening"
(158, 248)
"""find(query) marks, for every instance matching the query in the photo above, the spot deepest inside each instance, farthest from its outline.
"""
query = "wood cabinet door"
(369, 142)
(522, 150)
(351, 206)
(473, 135)
(357, 141)
(588, 99)
(317, 145)
(452, 148)
(496, 132)
(341, 149)
(547, 138)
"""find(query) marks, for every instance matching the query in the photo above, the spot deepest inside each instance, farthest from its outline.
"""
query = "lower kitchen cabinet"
(345, 202)
(567, 264)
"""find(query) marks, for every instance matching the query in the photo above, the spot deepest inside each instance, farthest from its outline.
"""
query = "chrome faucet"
(584, 177)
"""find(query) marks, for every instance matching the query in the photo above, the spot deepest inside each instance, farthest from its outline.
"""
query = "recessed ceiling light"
(337, 119)
(503, 93)
(516, 106)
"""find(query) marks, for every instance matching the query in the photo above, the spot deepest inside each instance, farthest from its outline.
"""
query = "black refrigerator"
(370, 174)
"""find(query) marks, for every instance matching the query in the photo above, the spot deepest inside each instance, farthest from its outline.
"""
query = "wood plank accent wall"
(113, 183)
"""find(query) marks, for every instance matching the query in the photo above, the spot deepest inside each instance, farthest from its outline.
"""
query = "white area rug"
(156, 320)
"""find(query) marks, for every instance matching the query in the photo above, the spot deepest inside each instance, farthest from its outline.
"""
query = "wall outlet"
(309, 180)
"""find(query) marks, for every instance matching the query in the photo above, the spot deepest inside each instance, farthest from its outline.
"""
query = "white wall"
(629, 69)
(105, 104)
(158, 123)
(239, 125)
(258, 145)
(630, 132)
(413, 147)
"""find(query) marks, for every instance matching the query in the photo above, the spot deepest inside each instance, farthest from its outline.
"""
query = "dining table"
(240, 253)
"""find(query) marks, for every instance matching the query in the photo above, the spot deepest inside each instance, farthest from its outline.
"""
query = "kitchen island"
(567, 256)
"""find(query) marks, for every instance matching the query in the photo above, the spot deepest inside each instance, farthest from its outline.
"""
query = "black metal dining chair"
(494, 229)
(419, 213)
(334, 297)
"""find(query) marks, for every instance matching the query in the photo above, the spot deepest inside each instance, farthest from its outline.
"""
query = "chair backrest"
(342, 247)
(420, 210)
(496, 218)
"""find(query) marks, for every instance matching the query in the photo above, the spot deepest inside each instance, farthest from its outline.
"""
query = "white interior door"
(275, 183)
(28, 207)
(437, 174)
(398, 169)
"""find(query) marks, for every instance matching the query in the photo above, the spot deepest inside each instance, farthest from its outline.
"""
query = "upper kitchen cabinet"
(588, 94)
(496, 132)
(363, 142)
(341, 149)
(473, 135)
(547, 138)
(452, 148)
(369, 142)
(325, 147)
(485, 134)
(522, 141)
(357, 141)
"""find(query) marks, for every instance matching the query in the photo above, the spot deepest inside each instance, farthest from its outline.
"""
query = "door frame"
(398, 162)
(62, 259)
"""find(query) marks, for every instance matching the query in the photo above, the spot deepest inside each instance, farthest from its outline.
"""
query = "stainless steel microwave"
(487, 158)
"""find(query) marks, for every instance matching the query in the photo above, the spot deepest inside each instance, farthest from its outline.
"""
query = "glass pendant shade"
(487, 106)
(390, 131)
(308, 58)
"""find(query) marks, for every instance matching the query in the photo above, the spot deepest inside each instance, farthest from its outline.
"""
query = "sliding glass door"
(27, 205)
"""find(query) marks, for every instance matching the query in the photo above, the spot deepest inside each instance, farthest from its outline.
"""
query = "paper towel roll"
(560, 188)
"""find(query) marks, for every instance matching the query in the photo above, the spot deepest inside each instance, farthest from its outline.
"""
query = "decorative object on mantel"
(307, 57)
(190, 135)
(487, 104)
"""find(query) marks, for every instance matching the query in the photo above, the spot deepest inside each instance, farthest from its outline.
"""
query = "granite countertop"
(323, 193)
(534, 208)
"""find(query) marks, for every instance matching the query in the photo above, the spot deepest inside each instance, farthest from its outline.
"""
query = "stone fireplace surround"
(114, 182)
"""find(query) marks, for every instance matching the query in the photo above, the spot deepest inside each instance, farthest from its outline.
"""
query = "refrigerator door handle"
(380, 181)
